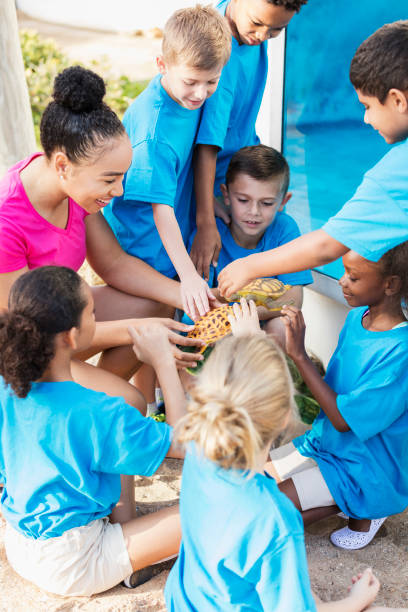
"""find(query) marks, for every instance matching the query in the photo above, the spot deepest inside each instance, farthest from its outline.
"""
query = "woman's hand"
(245, 321)
(295, 328)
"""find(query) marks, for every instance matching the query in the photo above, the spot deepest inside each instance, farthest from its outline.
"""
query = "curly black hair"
(290, 5)
(395, 263)
(77, 121)
(381, 61)
(42, 303)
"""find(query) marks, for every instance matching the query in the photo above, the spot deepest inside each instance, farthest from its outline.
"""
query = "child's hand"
(205, 249)
(147, 329)
(295, 328)
(364, 589)
(245, 321)
(196, 296)
(234, 276)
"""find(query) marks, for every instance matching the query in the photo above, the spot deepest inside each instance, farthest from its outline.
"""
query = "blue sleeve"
(152, 176)
(216, 113)
(133, 444)
(284, 230)
(371, 223)
(379, 400)
(283, 582)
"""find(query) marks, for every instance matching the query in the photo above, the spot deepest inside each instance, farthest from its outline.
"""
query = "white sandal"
(352, 540)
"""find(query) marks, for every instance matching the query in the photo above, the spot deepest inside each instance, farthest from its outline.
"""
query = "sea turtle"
(264, 292)
(210, 327)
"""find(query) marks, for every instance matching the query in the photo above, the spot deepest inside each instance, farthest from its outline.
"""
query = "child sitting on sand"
(63, 447)
(242, 545)
(355, 457)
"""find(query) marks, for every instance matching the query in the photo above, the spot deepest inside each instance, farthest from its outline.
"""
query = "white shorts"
(82, 561)
(309, 483)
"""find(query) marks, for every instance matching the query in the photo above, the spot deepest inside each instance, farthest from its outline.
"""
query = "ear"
(161, 64)
(398, 99)
(70, 338)
(225, 194)
(61, 164)
(392, 285)
(285, 201)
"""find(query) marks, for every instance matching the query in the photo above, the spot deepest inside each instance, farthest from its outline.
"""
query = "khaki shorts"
(83, 561)
(309, 483)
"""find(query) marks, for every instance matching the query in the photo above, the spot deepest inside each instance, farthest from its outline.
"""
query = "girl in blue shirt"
(242, 544)
(63, 447)
(355, 457)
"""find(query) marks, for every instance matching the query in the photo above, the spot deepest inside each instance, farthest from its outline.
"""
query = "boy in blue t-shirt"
(376, 218)
(256, 191)
(153, 218)
(228, 118)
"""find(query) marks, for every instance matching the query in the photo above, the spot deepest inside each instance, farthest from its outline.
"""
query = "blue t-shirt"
(229, 115)
(376, 218)
(282, 230)
(366, 468)
(62, 450)
(242, 546)
(162, 134)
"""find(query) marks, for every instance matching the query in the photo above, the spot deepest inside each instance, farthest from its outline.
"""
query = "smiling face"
(363, 283)
(253, 204)
(389, 119)
(254, 21)
(188, 86)
(97, 179)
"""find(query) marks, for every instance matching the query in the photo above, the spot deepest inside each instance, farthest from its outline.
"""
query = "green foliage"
(306, 403)
(43, 60)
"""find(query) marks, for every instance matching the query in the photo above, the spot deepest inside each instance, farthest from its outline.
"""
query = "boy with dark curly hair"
(228, 120)
(376, 218)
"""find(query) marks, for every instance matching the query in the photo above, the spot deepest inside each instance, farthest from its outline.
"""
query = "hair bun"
(79, 89)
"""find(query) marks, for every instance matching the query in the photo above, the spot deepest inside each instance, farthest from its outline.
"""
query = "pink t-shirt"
(27, 239)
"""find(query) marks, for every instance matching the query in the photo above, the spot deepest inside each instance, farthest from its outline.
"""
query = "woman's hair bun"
(79, 89)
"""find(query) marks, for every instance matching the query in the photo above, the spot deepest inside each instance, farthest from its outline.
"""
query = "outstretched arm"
(123, 271)
(308, 251)
(295, 348)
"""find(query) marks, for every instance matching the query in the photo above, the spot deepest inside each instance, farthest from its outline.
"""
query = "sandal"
(352, 540)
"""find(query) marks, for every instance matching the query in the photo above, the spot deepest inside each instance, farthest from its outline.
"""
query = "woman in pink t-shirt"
(50, 213)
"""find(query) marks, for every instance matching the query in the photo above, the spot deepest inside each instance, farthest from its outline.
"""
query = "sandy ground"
(330, 568)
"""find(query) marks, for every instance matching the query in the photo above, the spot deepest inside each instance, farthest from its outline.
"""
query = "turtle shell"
(263, 291)
(212, 326)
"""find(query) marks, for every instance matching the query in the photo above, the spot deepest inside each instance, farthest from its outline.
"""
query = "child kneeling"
(63, 447)
(355, 457)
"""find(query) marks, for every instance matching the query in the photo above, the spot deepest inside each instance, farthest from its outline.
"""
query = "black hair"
(290, 5)
(42, 303)
(259, 162)
(395, 263)
(381, 61)
(77, 121)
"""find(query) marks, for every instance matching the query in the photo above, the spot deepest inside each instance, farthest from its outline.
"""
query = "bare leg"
(91, 377)
(359, 524)
(153, 537)
(145, 381)
(276, 329)
(309, 516)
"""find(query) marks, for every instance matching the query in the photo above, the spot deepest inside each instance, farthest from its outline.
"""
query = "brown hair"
(381, 61)
(197, 36)
(240, 402)
(261, 163)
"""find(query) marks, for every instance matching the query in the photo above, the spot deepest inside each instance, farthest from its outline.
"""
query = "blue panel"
(326, 143)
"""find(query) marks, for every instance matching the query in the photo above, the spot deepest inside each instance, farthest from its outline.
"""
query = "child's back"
(242, 537)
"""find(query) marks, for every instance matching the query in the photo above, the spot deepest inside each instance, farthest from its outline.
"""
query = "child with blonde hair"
(242, 539)
(153, 218)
